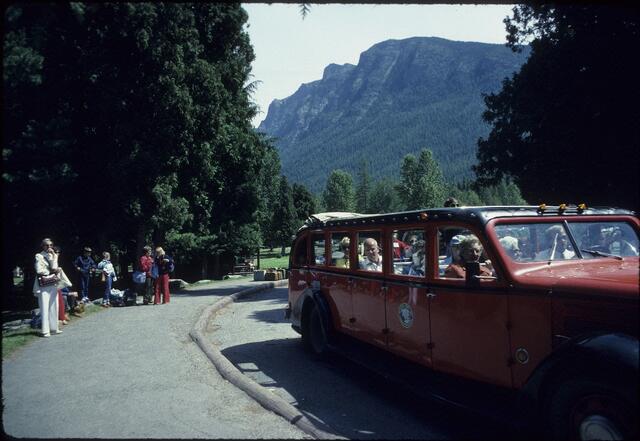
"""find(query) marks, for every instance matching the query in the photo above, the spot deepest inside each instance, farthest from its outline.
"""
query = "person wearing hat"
(470, 251)
(451, 202)
(85, 265)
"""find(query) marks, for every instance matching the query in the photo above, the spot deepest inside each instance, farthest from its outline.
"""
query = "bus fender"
(302, 307)
(611, 357)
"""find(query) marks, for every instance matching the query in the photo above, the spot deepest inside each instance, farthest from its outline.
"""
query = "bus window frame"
(389, 237)
(349, 234)
(312, 253)
(385, 260)
(488, 248)
(306, 238)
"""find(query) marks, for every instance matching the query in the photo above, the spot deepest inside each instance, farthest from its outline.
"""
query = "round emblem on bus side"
(405, 313)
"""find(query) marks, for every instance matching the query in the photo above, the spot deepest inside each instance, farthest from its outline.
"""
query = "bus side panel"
(338, 290)
(530, 323)
(408, 322)
(369, 310)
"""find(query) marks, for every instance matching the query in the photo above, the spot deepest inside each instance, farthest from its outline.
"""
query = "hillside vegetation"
(404, 95)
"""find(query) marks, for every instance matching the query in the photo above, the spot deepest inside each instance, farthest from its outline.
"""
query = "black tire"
(580, 403)
(314, 335)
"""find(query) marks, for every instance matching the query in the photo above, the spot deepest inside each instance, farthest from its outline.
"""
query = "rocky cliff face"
(402, 96)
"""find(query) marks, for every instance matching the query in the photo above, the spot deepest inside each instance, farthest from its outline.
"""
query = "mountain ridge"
(403, 95)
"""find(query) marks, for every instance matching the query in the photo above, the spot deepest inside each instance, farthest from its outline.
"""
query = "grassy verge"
(272, 259)
(13, 340)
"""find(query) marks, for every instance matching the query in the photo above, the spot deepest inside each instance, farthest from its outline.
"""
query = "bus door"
(339, 281)
(407, 304)
(469, 332)
(300, 268)
(368, 290)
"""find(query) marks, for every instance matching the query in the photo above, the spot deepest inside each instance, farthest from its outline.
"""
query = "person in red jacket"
(164, 264)
(146, 263)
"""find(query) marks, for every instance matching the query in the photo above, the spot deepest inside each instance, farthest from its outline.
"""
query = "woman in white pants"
(47, 264)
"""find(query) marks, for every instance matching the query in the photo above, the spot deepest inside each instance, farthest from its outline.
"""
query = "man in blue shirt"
(85, 265)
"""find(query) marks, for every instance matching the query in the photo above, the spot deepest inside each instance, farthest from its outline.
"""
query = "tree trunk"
(204, 268)
(216, 266)
(258, 259)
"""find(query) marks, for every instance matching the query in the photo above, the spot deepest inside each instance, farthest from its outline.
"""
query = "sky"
(291, 50)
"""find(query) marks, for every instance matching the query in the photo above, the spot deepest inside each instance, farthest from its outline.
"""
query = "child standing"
(109, 274)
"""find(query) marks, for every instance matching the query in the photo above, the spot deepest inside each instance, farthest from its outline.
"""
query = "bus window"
(340, 250)
(408, 252)
(369, 251)
(452, 264)
(318, 249)
(300, 252)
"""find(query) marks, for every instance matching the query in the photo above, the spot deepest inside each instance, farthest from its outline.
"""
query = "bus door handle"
(431, 295)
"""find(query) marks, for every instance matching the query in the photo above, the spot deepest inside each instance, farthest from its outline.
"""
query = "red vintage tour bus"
(538, 300)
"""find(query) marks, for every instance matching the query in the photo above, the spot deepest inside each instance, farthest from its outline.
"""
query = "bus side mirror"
(472, 269)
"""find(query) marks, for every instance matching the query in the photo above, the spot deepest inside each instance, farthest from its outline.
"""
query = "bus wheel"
(588, 410)
(317, 335)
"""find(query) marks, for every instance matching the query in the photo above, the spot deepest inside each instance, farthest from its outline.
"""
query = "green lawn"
(272, 259)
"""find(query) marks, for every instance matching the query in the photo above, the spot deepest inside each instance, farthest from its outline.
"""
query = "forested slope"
(403, 95)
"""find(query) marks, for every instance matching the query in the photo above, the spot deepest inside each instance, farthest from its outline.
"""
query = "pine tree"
(363, 188)
(339, 194)
(421, 183)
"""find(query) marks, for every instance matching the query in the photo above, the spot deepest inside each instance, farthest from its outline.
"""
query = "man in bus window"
(373, 259)
(558, 245)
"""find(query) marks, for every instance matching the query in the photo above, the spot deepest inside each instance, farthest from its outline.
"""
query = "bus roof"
(480, 214)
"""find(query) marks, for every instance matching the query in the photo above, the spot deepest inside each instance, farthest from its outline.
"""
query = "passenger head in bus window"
(456, 247)
(557, 243)
(510, 245)
(344, 247)
(372, 259)
(417, 259)
(471, 250)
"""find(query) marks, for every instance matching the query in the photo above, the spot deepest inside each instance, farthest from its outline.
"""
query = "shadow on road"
(343, 398)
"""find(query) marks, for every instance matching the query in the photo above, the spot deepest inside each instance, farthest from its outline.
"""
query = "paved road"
(338, 396)
(131, 372)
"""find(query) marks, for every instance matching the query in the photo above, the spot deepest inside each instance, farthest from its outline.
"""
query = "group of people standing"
(156, 270)
(51, 282)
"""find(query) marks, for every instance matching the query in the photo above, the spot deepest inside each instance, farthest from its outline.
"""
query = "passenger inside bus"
(510, 245)
(343, 262)
(452, 253)
(470, 251)
(417, 259)
(372, 260)
(558, 246)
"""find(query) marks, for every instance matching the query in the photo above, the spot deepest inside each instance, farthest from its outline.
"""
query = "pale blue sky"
(291, 51)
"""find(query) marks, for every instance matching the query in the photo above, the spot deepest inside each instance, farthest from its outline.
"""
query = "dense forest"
(128, 124)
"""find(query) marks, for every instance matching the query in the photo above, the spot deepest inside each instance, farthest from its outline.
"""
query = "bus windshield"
(537, 242)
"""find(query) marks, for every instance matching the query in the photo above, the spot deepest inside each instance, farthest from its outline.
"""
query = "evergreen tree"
(339, 194)
(363, 188)
(137, 117)
(565, 126)
(303, 201)
(384, 198)
(285, 217)
(421, 183)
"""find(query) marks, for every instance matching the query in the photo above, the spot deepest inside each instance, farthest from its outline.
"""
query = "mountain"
(402, 96)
